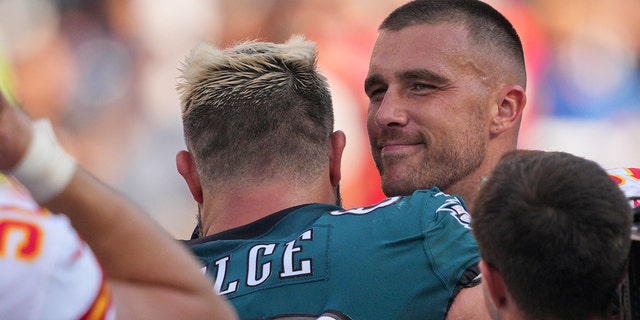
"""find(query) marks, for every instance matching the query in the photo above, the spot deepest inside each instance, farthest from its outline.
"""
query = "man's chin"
(396, 188)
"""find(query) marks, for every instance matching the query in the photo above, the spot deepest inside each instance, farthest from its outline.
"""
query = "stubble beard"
(435, 168)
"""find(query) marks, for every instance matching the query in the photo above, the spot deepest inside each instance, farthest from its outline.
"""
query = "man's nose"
(391, 111)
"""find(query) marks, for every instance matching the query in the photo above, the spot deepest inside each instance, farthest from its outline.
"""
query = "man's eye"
(423, 86)
(376, 93)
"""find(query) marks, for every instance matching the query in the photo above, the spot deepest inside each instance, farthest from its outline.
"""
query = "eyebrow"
(421, 74)
(371, 81)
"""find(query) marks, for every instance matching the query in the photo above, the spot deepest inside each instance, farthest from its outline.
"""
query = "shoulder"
(44, 257)
(14, 195)
(33, 235)
(429, 205)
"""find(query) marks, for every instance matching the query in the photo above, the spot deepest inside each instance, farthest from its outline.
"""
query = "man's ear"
(511, 104)
(187, 168)
(337, 144)
(494, 283)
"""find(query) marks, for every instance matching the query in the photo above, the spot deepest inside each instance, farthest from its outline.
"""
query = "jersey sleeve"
(449, 243)
(49, 271)
(77, 288)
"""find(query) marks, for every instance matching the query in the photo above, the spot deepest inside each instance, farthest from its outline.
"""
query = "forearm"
(141, 261)
(469, 304)
(151, 274)
(109, 222)
(129, 244)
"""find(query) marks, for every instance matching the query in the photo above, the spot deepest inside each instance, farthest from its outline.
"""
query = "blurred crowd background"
(105, 72)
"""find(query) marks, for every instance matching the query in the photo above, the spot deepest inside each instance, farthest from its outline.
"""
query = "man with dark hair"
(554, 233)
(263, 163)
(446, 88)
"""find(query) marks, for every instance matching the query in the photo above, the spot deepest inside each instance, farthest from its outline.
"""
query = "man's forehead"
(438, 49)
(420, 41)
(424, 34)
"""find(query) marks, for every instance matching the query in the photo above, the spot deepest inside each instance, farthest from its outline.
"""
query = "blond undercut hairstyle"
(256, 110)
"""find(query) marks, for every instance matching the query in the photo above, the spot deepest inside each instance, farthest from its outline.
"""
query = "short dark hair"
(484, 24)
(256, 110)
(558, 230)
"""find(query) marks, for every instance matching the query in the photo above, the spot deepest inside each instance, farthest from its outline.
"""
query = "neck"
(234, 207)
(468, 187)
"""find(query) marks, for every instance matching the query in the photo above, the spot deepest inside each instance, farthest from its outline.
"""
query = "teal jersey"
(402, 258)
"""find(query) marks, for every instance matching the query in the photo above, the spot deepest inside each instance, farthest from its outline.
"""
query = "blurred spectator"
(590, 95)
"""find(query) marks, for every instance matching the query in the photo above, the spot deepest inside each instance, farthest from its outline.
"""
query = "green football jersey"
(402, 258)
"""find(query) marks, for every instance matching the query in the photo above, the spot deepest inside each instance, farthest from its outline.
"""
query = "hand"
(15, 134)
